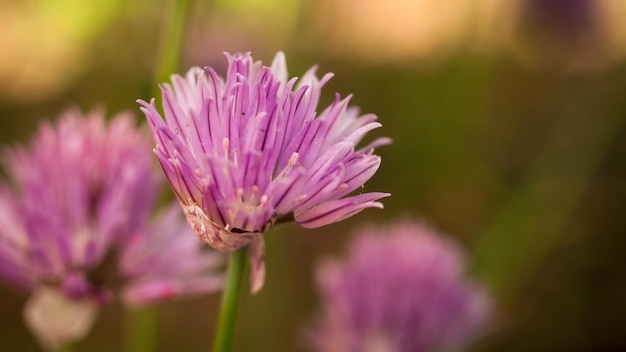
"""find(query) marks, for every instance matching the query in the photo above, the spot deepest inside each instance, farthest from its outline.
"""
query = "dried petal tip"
(243, 150)
(225, 239)
(256, 253)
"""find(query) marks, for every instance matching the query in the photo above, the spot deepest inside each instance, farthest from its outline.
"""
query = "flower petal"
(337, 210)
(256, 253)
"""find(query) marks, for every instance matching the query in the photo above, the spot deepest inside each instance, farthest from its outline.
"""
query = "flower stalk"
(142, 324)
(227, 320)
(169, 53)
(142, 329)
(69, 347)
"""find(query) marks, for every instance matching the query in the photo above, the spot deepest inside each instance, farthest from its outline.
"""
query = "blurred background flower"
(576, 35)
(75, 227)
(520, 158)
(400, 289)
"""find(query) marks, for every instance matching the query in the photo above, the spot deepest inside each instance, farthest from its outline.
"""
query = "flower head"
(250, 149)
(75, 226)
(562, 33)
(571, 18)
(400, 290)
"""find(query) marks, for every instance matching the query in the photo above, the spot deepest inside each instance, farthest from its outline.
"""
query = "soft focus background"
(508, 127)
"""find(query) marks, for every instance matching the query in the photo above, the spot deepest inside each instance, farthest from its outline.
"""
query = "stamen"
(225, 145)
(232, 213)
(293, 159)
(235, 158)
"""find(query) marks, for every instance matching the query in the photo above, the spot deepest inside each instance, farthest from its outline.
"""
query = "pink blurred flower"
(75, 226)
(401, 289)
(251, 149)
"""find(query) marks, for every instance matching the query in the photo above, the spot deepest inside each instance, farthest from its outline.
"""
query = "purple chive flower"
(250, 150)
(568, 18)
(561, 32)
(401, 289)
(75, 227)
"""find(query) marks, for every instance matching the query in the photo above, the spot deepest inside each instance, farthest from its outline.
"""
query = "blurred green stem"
(171, 43)
(141, 325)
(230, 302)
(69, 347)
(537, 212)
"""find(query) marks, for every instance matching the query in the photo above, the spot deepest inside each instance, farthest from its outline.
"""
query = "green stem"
(230, 302)
(537, 213)
(69, 347)
(141, 330)
(169, 52)
(142, 324)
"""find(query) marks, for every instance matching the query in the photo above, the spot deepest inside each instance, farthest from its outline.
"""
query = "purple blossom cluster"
(76, 224)
(248, 150)
(400, 289)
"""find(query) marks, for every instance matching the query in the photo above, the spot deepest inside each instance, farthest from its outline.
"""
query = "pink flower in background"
(75, 227)
(401, 289)
(252, 149)
(571, 19)
(167, 261)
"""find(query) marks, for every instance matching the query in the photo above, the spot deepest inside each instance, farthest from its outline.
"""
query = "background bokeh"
(508, 127)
